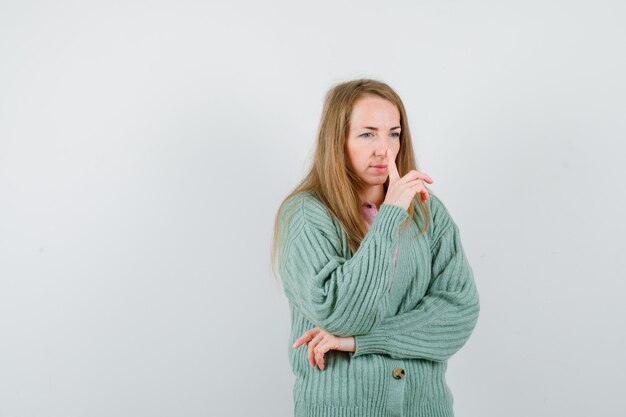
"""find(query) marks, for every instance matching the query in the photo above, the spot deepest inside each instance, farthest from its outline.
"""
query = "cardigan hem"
(427, 409)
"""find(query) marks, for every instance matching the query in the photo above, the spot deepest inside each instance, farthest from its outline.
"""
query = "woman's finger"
(391, 167)
(306, 336)
(322, 348)
(427, 178)
(418, 187)
(311, 357)
(414, 175)
(319, 358)
(298, 342)
(312, 345)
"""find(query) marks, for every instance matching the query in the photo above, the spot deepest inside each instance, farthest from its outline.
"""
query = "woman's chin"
(376, 180)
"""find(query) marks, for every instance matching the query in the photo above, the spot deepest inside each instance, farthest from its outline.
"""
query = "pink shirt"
(369, 211)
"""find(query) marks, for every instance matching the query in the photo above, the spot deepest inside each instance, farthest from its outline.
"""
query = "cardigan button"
(398, 373)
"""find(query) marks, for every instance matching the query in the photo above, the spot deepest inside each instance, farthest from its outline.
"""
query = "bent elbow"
(345, 324)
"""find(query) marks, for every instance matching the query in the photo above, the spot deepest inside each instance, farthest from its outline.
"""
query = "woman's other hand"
(320, 341)
(402, 190)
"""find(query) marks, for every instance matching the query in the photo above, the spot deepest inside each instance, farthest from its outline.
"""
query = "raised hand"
(402, 190)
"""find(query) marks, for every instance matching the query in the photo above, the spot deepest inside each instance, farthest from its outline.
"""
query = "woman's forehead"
(375, 115)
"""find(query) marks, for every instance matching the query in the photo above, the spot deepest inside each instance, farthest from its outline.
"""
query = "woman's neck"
(373, 195)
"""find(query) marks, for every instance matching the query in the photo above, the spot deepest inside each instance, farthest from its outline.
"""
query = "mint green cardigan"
(408, 317)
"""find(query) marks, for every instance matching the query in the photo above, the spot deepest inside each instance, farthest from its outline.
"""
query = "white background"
(145, 147)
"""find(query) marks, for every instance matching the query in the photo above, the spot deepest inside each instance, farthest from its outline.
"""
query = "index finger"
(306, 336)
(391, 165)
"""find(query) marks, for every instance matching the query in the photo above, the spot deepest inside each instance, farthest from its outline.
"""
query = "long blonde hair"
(331, 178)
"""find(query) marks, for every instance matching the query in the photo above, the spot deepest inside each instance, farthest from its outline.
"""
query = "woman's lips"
(380, 168)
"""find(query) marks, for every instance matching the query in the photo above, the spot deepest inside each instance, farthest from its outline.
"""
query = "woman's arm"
(345, 297)
(445, 317)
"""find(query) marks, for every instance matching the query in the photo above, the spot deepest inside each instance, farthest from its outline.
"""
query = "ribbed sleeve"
(444, 318)
(345, 297)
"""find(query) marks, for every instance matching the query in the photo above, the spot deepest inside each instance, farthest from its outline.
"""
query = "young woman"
(380, 291)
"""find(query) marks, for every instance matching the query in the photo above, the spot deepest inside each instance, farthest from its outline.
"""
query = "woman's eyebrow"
(375, 128)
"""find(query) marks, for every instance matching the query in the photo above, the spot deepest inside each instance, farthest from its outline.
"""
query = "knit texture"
(411, 313)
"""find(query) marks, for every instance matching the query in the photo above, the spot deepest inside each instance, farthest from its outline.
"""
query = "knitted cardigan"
(408, 316)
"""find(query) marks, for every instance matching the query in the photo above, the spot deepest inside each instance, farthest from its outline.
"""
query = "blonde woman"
(380, 291)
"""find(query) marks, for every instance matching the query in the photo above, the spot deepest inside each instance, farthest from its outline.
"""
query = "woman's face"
(374, 128)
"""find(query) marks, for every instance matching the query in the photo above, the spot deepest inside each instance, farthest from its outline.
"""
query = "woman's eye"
(367, 135)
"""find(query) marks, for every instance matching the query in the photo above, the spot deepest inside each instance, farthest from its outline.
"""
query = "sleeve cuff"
(388, 219)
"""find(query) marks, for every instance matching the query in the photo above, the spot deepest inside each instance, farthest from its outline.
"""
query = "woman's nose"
(381, 147)
(381, 150)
